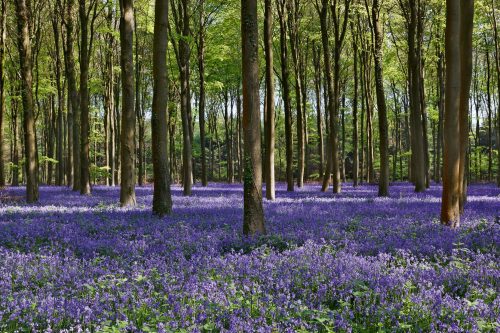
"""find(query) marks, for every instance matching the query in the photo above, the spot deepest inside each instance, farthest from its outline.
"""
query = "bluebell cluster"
(350, 262)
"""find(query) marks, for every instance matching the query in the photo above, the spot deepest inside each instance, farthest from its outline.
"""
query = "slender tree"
(253, 222)
(85, 47)
(3, 36)
(30, 150)
(162, 198)
(127, 151)
(466, 29)
(383, 188)
(181, 17)
(285, 86)
(355, 140)
(202, 102)
(269, 130)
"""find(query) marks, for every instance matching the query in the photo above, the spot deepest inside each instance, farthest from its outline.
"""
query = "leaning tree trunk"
(127, 136)
(24, 46)
(253, 222)
(269, 130)
(162, 198)
(383, 187)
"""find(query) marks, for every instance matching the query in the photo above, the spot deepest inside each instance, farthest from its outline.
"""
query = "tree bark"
(30, 149)
(202, 102)
(84, 148)
(286, 94)
(60, 124)
(383, 189)
(355, 140)
(414, 63)
(441, 87)
(73, 120)
(269, 130)
(3, 36)
(127, 136)
(162, 198)
(319, 116)
(253, 211)
(458, 45)
(466, 28)
(229, 144)
(293, 32)
(139, 112)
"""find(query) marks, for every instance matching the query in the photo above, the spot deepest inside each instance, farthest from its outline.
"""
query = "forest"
(249, 166)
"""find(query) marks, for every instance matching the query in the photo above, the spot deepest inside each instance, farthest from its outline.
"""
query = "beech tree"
(127, 188)
(30, 150)
(383, 189)
(3, 35)
(458, 48)
(162, 199)
(269, 128)
(253, 222)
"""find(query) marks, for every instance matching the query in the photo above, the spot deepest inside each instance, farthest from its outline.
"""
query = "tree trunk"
(497, 65)
(24, 46)
(60, 124)
(319, 116)
(73, 162)
(490, 117)
(127, 136)
(183, 53)
(269, 130)
(466, 28)
(139, 112)
(286, 94)
(3, 35)
(253, 212)
(240, 135)
(355, 141)
(414, 63)
(162, 198)
(202, 102)
(229, 155)
(383, 189)
(332, 149)
(458, 44)
(293, 23)
(84, 101)
(440, 70)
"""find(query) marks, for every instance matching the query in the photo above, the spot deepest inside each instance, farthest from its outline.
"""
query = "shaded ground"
(348, 262)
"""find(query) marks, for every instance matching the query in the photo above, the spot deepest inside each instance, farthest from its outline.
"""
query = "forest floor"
(330, 263)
